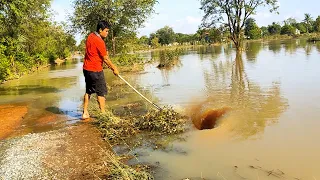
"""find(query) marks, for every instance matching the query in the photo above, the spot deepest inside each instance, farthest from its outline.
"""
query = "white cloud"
(193, 20)
(187, 25)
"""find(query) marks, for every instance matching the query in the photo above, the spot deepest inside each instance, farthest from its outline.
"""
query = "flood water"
(270, 132)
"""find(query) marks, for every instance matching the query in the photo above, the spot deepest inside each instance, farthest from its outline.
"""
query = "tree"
(183, 38)
(236, 11)
(308, 20)
(249, 25)
(125, 16)
(166, 35)
(251, 30)
(301, 27)
(317, 24)
(290, 21)
(274, 28)
(215, 35)
(155, 42)
(264, 31)
(288, 30)
(28, 39)
(144, 40)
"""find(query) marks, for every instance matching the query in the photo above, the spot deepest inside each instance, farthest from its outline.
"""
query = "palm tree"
(308, 20)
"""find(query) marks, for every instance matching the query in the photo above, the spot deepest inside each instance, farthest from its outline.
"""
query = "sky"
(185, 16)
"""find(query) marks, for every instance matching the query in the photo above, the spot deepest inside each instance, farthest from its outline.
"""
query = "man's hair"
(102, 25)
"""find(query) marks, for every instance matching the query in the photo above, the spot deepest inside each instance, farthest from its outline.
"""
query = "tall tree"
(125, 16)
(236, 11)
(288, 30)
(274, 28)
(251, 30)
(290, 21)
(317, 24)
(302, 27)
(166, 35)
(308, 20)
(264, 31)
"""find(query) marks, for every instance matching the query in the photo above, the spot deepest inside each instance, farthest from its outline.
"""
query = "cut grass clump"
(165, 121)
(115, 129)
(155, 122)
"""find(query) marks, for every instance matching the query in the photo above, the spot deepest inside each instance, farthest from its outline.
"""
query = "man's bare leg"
(86, 99)
(102, 103)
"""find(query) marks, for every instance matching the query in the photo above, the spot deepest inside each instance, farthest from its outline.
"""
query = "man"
(96, 55)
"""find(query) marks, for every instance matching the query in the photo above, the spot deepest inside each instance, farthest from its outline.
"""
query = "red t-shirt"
(95, 50)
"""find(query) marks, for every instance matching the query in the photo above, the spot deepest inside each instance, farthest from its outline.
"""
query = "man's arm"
(110, 65)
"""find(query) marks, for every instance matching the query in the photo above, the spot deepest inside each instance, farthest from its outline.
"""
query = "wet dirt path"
(73, 152)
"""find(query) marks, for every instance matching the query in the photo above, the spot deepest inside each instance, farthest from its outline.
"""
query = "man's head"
(103, 28)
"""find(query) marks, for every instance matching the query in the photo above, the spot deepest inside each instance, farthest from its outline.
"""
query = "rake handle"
(156, 106)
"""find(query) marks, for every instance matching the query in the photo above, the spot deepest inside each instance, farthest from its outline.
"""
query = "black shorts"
(95, 83)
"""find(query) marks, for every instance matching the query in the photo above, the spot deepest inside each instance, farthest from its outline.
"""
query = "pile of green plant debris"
(165, 121)
(114, 128)
(155, 122)
(123, 131)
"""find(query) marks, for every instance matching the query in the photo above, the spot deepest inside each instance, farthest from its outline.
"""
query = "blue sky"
(185, 16)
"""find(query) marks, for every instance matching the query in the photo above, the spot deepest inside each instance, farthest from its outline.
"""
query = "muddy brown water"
(269, 131)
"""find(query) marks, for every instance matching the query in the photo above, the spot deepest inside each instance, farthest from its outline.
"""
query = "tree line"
(291, 27)
(29, 38)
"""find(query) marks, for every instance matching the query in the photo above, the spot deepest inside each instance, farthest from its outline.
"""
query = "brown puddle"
(11, 117)
(206, 119)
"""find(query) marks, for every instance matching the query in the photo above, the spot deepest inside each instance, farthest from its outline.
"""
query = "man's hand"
(110, 65)
(115, 71)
